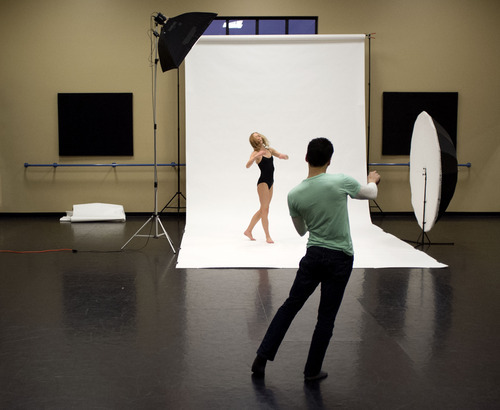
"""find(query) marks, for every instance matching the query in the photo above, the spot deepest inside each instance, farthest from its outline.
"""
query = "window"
(262, 25)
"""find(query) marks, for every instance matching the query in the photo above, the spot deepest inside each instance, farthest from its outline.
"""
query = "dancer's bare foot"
(269, 240)
(249, 235)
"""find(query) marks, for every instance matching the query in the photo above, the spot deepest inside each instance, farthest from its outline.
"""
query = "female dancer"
(263, 155)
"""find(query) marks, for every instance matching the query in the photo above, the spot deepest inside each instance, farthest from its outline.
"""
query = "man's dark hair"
(319, 152)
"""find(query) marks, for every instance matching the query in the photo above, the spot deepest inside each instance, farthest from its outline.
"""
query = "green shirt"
(321, 201)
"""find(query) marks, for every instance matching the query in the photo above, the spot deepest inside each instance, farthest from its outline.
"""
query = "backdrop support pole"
(178, 194)
(368, 128)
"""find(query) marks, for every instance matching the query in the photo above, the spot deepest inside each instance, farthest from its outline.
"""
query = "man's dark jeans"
(332, 269)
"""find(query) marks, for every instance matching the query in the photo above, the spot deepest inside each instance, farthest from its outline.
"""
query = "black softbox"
(178, 36)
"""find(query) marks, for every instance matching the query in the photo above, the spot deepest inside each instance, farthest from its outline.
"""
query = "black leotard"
(266, 166)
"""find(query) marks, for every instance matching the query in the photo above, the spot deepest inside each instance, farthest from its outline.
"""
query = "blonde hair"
(254, 144)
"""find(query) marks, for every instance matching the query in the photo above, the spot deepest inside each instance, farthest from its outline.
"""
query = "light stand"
(155, 217)
(421, 240)
(423, 235)
(178, 35)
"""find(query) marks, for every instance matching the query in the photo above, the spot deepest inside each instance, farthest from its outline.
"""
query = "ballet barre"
(406, 164)
(114, 165)
(173, 164)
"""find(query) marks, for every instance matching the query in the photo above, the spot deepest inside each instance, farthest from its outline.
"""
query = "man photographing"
(318, 205)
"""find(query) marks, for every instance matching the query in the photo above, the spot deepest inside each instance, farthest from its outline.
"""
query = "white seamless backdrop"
(291, 89)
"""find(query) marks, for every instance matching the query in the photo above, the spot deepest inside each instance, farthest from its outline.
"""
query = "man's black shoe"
(259, 366)
(320, 376)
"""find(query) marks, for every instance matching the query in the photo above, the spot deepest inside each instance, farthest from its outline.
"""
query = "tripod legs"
(157, 221)
(424, 240)
(178, 195)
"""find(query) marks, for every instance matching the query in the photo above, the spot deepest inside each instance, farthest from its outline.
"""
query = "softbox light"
(433, 170)
(178, 36)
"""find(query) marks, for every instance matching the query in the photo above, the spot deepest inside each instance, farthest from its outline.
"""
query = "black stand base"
(423, 240)
(177, 195)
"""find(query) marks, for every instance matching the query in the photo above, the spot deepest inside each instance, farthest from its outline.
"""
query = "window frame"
(257, 19)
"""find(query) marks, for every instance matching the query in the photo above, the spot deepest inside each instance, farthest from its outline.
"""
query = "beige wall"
(56, 46)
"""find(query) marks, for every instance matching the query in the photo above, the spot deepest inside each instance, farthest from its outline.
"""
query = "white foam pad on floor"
(95, 212)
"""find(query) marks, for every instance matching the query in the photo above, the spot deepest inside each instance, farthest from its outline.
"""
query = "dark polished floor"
(127, 330)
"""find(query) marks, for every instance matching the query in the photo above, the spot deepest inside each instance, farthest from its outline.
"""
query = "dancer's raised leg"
(253, 222)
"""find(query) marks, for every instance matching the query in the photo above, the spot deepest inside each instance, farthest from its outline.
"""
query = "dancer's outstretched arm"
(277, 154)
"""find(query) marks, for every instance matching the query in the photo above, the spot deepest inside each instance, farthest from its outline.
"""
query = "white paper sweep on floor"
(229, 248)
(95, 212)
(221, 243)
(291, 89)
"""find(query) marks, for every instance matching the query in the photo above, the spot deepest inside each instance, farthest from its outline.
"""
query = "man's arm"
(370, 190)
(300, 225)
